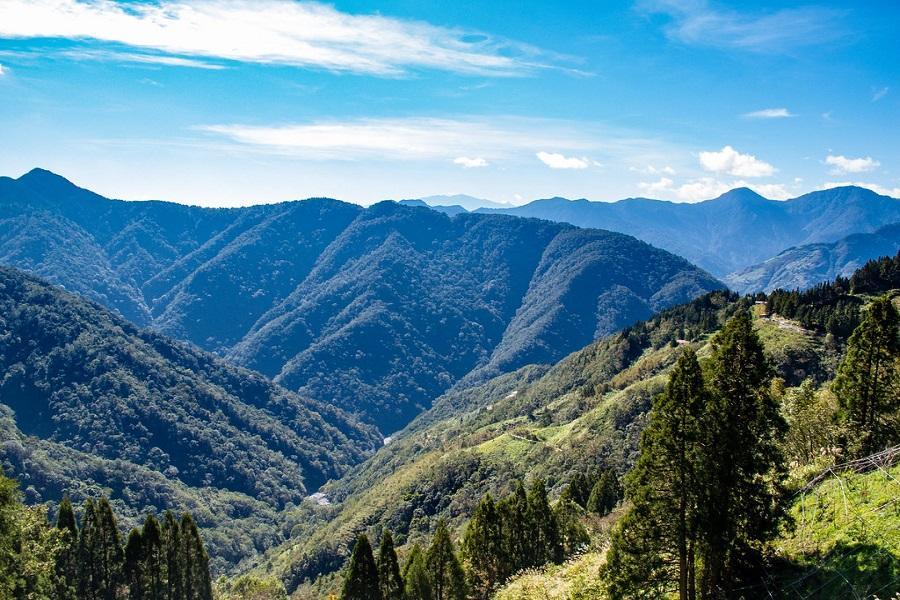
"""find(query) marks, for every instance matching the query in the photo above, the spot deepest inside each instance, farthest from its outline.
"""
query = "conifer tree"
(416, 584)
(868, 381)
(605, 494)
(361, 582)
(742, 468)
(67, 559)
(197, 584)
(134, 574)
(543, 529)
(484, 549)
(173, 557)
(513, 518)
(579, 489)
(154, 560)
(389, 570)
(448, 581)
(572, 534)
(654, 545)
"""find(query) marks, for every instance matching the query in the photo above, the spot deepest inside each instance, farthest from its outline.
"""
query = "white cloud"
(880, 93)
(842, 164)
(662, 186)
(730, 161)
(878, 189)
(769, 113)
(303, 34)
(470, 163)
(559, 161)
(652, 170)
(696, 22)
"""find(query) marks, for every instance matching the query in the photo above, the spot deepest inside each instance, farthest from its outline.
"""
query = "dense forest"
(375, 310)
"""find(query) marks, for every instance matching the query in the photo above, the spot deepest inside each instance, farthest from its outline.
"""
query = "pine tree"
(361, 582)
(389, 570)
(416, 585)
(513, 519)
(197, 584)
(154, 559)
(605, 494)
(67, 559)
(173, 558)
(543, 529)
(484, 549)
(868, 380)
(109, 550)
(134, 574)
(579, 489)
(572, 534)
(448, 581)
(743, 499)
(654, 546)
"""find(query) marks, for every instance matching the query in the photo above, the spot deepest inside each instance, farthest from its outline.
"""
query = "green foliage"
(251, 587)
(445, 573)
(389, 579)
(868, 382)
(361, 581)
(810, 415)
(606, 493)
(487, 563)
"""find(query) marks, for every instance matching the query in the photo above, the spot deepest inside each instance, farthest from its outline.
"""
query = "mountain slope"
(732, 232)
(377, 310)
(150, 418)
(805, 266)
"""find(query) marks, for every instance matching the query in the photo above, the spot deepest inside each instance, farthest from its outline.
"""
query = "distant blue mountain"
(375, 310)
(805, 266)
(731, 232)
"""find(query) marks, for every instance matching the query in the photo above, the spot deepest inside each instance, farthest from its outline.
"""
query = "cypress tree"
(572, 534)
(513, 518)
(67, 559)
(134, 574)
(416, 585)
(361, 581)
(173, 557)
(389, 570)
(154, 559)
(579, 489)
(605, 494)
(654, 545)
(196, 582)
(109, 550)
(89, 558)
(868, 381)
(743, 499)
(448, 581)
(484, 549)
(543, 529)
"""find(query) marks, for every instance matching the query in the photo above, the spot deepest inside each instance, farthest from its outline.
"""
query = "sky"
(237, 102)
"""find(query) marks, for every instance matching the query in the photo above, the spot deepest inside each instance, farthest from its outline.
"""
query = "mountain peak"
(742, 195)
(44, 181)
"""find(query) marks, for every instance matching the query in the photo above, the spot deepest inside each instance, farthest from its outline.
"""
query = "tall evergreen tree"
(572, 534)
(416, 585)
(484, 549)
(516, 538)
(544, 544)
(389, 569)
(868, 381)
(361, 581)
(67, 559)
(197, 584)
(654, 546)
(154, 559)
(448, 581)
(173, 557)
(579, 489)
(742, 467)
(605, 494)
(134, 574)
(109, 550)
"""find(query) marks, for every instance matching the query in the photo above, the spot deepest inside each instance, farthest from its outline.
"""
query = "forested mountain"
(92, 404)
(805, 266)
(581, 415)
(732, 232)
(375, 310)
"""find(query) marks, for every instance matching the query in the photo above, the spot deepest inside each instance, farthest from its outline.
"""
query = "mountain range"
(375, 310)
(732, 232)
(804, 266)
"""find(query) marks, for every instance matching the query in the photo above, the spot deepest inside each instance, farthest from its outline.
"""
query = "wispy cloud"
(288, 32)
(470, 163)
(132, 57)
(560, 161)
(2, 71)
(412, 138)
(842, 164)
(706, 188)
(696, 22)
(730, 161)
(769, 113)
(880, 93)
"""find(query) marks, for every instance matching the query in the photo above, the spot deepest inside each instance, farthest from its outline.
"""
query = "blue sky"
(226, 103)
